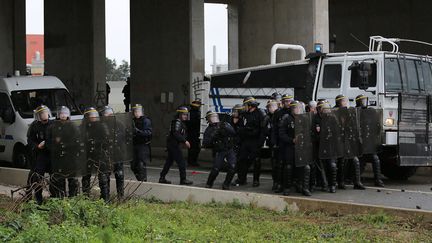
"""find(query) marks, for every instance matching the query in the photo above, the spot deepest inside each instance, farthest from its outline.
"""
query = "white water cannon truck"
(398, 83)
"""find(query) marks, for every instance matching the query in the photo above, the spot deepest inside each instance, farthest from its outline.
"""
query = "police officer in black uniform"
(58, 181)
(220, 137)
(118, 167)
(193, 132)
(287, 144)
(142, 140)
(96, 134)
(272, 108)
(328, 166)
(37, 139)
(277, 117)
(236, 121)
(342, 102)
(362, 103)
(176, 138)
(252, 138)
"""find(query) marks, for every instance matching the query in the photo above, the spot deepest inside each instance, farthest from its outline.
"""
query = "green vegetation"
(80, 220)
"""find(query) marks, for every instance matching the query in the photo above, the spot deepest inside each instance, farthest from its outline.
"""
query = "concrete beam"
(75, 47)
(263, 23)
(167, 55)
(351, 19)
(12, 36)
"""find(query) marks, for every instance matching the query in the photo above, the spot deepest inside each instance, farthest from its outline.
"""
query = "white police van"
(19, 96)
(398, 83)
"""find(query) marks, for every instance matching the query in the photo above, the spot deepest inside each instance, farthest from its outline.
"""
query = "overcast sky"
(117, 29)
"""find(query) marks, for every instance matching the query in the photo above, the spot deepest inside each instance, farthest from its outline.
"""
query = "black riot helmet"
(212, 117)
(91, 114)
(276, 96)
(250, 102)
(341, 101)
(196, 104)
(107, 111)
(42, 113)
(286, 100)
(237, 110)
(137, 110)
(361, 101)
(182, 113)
(323, 106)
(296, 107)
(272, 106)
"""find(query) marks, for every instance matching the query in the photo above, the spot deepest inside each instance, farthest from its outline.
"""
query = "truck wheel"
(20, 157)
(391, 169)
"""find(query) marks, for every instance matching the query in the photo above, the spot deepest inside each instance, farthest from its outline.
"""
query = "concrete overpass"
(167, 39)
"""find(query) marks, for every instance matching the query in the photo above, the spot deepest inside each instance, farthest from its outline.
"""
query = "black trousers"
(220, 157)
(141, 158)
(174, 154)
(40, 167)
(119, 176)
(58, 186)
(248, 154)
(194, 151)
(276, 170)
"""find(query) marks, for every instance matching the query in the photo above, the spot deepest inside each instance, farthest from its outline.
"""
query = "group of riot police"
(310, 145)
(98, 144)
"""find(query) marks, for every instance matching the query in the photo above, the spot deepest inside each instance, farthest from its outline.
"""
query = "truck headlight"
(390, 122)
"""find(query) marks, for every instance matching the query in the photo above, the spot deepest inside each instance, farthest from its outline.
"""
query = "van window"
(427, 76)
(4, 103)
(419, 67)
(356, 79)
(25, 101)
(392, 73)
(332, 76)
(412, 81)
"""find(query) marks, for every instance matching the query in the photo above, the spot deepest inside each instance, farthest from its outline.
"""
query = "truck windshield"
(25, 101)
(408, 75)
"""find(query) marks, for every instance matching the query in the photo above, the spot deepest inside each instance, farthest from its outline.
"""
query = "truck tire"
(21, 157)
(390, 167)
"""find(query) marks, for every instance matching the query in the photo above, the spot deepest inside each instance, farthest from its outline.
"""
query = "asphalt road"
(415, 193)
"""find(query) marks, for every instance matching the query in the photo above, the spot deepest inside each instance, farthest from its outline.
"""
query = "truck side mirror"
(8, 116)
(363, 71)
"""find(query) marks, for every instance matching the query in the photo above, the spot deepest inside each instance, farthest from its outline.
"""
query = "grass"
(81, 220)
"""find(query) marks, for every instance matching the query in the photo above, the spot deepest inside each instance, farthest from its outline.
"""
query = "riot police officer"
(118, 168)
(327, 166)
(272, 108)
(277, 117)
(342, 102)
(97, 136)
(176, 138)
(287, 144)
(220, 137)
(37, 139)
(142, 140)
(58, 181)
(193, 132)
(362, 103)
(252, 138)
(236, 121)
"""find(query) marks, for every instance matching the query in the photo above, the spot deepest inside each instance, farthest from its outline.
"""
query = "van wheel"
(391, 169)
(21, 157)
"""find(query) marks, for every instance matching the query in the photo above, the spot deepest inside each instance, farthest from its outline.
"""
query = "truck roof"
(17, 83)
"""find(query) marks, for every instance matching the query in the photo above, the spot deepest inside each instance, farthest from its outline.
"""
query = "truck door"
(6, 128)
(330, 81)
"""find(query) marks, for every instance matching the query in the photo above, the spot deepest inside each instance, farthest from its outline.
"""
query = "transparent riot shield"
(371, 129)
(350, 127)
(123, 143)
(413, 130)
(303, 147)
(330, 139)
(99, 137)
(67, 149)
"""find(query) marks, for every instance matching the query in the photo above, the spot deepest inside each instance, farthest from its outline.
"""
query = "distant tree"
(114, 72)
